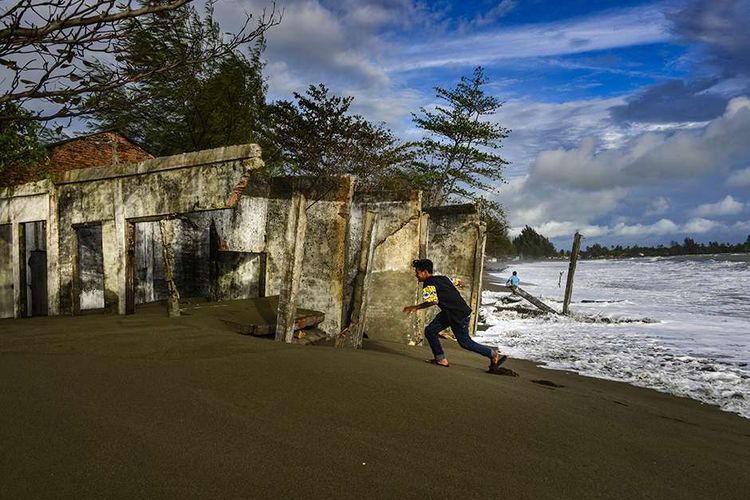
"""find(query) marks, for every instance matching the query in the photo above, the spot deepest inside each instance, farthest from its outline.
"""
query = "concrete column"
(294, 252)
(111, 265)
(53, 254)
(362, 281)
(121, 247)
(18, 261)
(166, 228)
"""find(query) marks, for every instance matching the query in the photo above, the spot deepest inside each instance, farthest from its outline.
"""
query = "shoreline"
(687, 384)
(147, 406)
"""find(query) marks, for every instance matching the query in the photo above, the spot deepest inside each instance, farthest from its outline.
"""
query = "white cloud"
(658, 207)
(700, 225)
(606, 31)
(557, 229)
(652, 157)
(727, 206)
(740, 178)
(660, 227)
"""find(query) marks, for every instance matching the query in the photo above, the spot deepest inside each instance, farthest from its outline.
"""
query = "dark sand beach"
(144, 406)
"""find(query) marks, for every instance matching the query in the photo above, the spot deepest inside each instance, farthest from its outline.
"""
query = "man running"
(454, 313)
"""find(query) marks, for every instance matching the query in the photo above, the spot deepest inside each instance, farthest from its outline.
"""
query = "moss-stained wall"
(454, 233)
(328, 204)
(391, 284)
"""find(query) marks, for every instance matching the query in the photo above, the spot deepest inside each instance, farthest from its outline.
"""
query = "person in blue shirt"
(513, 280)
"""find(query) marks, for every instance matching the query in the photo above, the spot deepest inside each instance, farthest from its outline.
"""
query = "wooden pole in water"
(571, 271)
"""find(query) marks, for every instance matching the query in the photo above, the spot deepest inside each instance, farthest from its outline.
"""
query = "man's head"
(422, 268)
(514, 273)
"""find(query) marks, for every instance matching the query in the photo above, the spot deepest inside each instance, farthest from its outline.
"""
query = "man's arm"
(423, 305)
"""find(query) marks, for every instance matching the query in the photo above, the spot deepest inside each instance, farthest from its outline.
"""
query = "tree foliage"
(531, 244)
(22, 157)
(498, 241)
(458, 155)
(64, 54)
(318, 135)
(688, 247)
(205, 104)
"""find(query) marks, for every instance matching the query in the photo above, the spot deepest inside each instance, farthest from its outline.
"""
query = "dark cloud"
(672, 101)
(718, 36)
(720, 28)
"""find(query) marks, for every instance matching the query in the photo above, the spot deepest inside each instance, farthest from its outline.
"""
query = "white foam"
(699, 346)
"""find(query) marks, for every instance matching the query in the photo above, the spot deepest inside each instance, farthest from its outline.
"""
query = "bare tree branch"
(54, 51)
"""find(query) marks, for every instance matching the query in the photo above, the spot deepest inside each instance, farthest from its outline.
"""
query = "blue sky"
(631, 120)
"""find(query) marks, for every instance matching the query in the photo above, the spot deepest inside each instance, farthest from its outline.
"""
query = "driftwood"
(541, 305)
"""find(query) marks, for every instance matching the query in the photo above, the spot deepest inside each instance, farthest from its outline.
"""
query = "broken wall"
(327, 208)
(391, 284)
(21, 205)
(456, 248)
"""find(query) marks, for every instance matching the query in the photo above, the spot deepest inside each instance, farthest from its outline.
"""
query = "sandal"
(500, 361)
(436, 362)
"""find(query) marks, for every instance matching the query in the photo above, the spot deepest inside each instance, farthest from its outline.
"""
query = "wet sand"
(145, 406)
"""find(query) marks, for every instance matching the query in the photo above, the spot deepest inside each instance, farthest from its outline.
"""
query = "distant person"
(513, 280)
(454, 313)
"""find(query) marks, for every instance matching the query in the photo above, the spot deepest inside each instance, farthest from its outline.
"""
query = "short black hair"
(514, 273)
(422, 265)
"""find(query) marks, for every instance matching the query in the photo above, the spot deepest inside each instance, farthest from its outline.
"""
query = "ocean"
(680, 325)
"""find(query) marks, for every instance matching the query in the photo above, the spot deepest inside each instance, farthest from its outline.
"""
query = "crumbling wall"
(391, 284)
(456, 248)
(328, 205)
(141, 193)
(18, 206)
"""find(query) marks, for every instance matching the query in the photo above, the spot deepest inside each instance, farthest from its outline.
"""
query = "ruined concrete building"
(94, 238)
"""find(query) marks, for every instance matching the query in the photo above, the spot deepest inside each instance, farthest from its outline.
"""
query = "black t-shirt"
(440, 289)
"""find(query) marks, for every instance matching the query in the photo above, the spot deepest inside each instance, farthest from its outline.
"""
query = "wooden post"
(166, 227)
(295, 246)
(571, 271)
(356, 326)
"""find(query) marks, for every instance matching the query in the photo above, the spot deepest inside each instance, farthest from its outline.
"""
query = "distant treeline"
(532, 245)
(688, 247)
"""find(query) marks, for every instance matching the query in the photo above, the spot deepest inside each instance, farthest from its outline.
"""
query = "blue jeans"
(460, 331)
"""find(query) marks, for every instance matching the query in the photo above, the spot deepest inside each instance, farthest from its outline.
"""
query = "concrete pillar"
(120, 228)
(166, 228)
(18, 259)
(53, 254)
(362, 281)
(111, 265)
(294, 252)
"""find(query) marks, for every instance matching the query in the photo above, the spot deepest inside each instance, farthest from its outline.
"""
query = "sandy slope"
(141, 406)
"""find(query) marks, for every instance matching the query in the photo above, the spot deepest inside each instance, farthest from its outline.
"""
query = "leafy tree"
(498, 242)
(531, 244)
(205, 104)
(459, 156)
(317, 135)
(63, 54)
(22, 157)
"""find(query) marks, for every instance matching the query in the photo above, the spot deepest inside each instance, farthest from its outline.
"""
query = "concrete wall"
(328, 206)
(456, 248)
(230, 239)
(23, 204)
(114, 196)
(392, 284)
